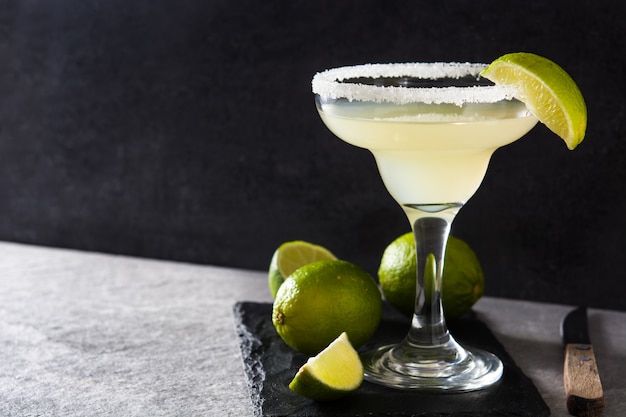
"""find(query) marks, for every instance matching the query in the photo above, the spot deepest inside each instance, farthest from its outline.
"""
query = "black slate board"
(270, 365)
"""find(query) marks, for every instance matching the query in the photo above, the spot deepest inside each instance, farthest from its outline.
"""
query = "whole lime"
(463, 278)
(323, 299)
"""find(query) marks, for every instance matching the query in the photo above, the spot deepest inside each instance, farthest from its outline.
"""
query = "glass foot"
(408, 367)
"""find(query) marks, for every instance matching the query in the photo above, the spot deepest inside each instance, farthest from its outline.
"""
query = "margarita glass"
(432, 128)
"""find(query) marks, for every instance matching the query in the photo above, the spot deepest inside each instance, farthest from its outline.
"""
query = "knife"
(583, 388)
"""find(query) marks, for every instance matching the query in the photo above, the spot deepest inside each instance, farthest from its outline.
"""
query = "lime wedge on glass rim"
(290, 256)
(546, 89)
(333, 373)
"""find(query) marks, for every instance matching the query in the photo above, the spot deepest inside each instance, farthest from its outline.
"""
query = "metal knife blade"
(583, 388)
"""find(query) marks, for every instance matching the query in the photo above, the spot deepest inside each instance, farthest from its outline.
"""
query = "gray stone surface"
(87, 334)
(84, 334)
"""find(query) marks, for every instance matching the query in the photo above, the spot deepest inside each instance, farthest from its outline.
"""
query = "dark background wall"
(186, 130)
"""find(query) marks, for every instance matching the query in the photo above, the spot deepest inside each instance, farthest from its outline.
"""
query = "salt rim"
(328, 84)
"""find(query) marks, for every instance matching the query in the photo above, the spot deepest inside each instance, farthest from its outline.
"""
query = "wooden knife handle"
(585, 397)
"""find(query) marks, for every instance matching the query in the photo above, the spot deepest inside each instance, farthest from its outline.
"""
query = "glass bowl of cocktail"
(432, 128)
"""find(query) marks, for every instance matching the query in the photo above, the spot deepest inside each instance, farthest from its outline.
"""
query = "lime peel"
(547, 90)
(333, 373)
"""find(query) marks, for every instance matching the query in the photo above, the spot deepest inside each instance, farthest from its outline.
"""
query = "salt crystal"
(329, 84)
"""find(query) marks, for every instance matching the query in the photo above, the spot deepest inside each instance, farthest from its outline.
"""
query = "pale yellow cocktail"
(430, 154)
(432, 129)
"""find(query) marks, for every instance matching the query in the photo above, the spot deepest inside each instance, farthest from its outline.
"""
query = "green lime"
(290, 256)
(547, 90)
(334, 372)
(323, 299)
(463, 279)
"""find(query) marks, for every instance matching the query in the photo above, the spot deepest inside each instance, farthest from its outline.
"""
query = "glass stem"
(429, 357)
(431, 228)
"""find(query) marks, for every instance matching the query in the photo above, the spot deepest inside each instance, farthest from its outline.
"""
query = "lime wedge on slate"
(332, 374)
